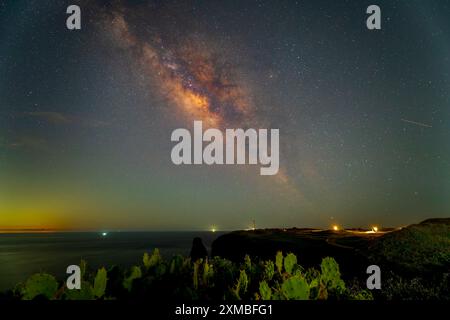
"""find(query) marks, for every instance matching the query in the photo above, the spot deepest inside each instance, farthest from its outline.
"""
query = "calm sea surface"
(24, 254)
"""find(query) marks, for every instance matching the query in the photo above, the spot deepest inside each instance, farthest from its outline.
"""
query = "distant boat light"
(104, 234)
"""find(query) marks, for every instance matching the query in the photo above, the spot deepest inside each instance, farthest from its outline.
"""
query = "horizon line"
(51, 230)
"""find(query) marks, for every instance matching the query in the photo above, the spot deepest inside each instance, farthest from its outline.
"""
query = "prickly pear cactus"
(247, 262)
(243, 281)
(265, 291)
(331, 276)
(195, 275)
(100, 283)
(134, 274)
(176, 264)
(153, 260)
(241, 285)
(208, 272)
(289, 262)
(269, 270)
(40, 284)
(295, 288)
(279, 261)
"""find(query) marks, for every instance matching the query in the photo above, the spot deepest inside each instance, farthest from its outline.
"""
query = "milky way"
(194, 78)
(189, 77)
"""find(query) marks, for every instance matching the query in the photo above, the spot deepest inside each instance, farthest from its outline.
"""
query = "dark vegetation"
(183, 279)
(249, 265)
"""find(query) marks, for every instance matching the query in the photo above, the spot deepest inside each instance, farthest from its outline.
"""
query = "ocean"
(21, 255)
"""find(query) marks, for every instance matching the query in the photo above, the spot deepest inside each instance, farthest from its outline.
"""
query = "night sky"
(86, 115)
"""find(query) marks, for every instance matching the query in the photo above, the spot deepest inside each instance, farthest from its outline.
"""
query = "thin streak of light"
(417, 123)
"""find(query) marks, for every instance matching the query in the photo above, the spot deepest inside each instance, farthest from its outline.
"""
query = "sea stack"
(198, 250)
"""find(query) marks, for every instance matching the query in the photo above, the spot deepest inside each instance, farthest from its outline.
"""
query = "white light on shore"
(104, 234)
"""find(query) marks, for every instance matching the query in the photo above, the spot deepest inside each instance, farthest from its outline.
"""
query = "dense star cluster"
(86, 115)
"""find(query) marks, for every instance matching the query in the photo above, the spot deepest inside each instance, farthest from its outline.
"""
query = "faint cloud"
(26, 142)
(50, 117)
(59, 118)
